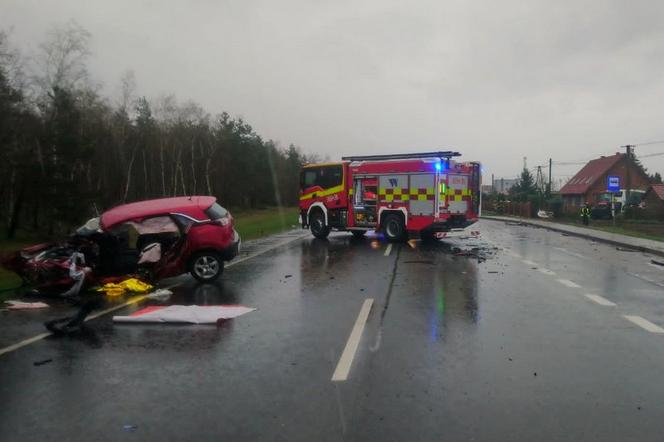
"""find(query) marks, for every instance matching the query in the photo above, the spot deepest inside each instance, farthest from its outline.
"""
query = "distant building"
(503, 185)
(654, 201)
(590, 183)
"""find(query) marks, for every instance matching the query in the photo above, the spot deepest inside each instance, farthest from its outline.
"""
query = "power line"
(649, 143)
(651, 155)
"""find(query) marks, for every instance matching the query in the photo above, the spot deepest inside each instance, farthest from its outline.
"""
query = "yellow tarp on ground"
(128, 285)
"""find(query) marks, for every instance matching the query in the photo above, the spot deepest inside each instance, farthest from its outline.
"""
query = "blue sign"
(613, 184)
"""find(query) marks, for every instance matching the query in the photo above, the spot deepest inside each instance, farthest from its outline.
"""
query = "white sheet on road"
(188, 314)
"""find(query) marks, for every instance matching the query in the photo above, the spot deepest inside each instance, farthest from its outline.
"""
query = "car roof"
(186, 205)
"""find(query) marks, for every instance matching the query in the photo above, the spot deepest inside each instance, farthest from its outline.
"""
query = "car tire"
(393, 227)
(206, 266)
(317, 225)
(359, 234)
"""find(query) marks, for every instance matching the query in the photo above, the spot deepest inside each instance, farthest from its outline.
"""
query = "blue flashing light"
(439, 167)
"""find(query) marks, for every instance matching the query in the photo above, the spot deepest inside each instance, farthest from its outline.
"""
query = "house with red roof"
(590, 183)
(654, 201)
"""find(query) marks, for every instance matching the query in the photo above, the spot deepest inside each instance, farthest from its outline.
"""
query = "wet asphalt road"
(454, 348)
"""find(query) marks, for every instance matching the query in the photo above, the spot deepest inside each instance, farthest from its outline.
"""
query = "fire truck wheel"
(317, 225)
(394, 228)
(359, 233)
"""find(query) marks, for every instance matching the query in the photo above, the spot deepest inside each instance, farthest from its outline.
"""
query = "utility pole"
(548, 190)
(493, 185)
(628, 178)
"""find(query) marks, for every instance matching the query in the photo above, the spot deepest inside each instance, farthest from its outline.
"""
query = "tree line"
(67, 152)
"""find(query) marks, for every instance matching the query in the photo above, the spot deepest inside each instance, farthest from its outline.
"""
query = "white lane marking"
(578, 255)
(529, 263)
(132, 301)
(600, 300)
(282, 243)
(644, 324)
(547, 271)
(343, 366)
(135, 300)
(388, 250)
(658, 267)
(23, 343)
(569, 283)
(645, 278)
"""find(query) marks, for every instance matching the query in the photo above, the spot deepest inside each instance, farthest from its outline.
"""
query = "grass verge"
(9, 280)
(252, 224)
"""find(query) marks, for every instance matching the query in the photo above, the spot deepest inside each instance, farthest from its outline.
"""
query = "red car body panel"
(192, 206)
(47, 265)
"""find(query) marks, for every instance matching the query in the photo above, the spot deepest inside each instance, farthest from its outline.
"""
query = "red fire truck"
(402, 194)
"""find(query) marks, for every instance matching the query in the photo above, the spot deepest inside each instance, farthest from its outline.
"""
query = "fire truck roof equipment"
(403, 156)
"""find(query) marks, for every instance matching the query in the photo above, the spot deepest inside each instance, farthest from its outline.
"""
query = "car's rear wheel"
(206, 266)
(394, 229)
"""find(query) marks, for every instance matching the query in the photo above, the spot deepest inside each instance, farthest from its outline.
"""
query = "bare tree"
(61, 60)
(127, 91)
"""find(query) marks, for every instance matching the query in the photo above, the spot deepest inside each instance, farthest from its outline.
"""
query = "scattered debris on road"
(160, 295)
(20, 305)
(128, 285)
(185, 314)
(659, 263)
(42, 362)
(623, 249)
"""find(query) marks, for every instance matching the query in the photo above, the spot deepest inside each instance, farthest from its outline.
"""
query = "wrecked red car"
(154, 239)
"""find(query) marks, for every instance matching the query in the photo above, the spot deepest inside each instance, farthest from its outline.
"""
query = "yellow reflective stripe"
(421, 197)
(326, 192)
(430, 191)
(381, 192)
(350, 191)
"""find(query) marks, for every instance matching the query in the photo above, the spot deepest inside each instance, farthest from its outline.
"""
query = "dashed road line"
(529, 263)
(346, 360)
(600, 300)
(644, 324)
(388, 250)
(547, 271)
(570, 284)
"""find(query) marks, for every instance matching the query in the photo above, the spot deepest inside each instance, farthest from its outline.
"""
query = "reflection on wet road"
(465, 339)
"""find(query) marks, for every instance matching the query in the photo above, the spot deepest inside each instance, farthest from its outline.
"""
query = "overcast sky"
(496, 80)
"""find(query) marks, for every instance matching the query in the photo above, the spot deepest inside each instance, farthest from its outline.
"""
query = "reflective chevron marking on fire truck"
(459, 194)
(405, 194)
(422, 194)
(394, 194)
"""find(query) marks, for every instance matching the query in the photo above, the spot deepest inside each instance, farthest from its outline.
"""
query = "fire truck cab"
(399, 195)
